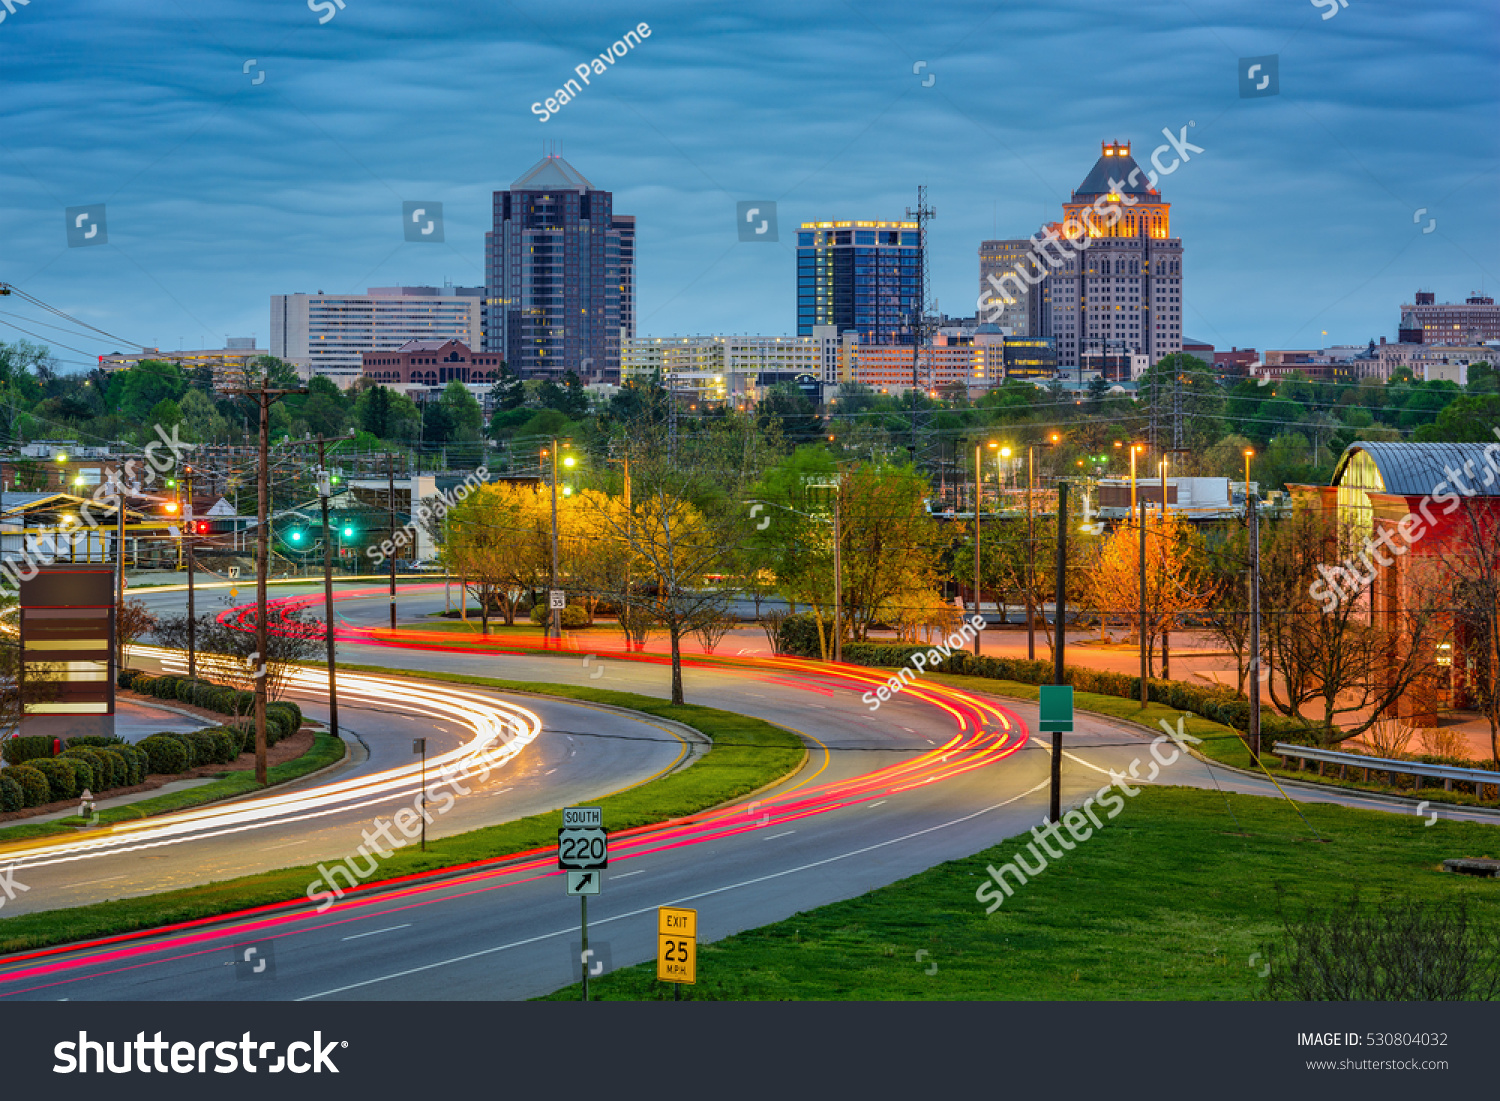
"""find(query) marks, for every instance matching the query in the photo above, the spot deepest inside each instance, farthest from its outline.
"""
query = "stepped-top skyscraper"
(559, 276)
(1121, 295)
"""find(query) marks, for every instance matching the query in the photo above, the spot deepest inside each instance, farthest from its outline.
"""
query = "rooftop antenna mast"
(923, 320)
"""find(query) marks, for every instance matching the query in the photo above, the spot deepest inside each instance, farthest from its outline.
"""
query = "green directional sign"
(1057, 708)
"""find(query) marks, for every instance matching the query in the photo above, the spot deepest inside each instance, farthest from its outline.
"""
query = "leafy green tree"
(464, 411)
(509, 392)
(1467, 419)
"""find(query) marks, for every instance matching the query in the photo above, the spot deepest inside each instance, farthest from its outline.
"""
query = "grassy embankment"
(1168, 901)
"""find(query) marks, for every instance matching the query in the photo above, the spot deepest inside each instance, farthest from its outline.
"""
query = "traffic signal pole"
(1060, 630)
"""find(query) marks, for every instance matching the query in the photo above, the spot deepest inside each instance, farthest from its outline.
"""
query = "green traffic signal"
(348, 531)
(296, 536)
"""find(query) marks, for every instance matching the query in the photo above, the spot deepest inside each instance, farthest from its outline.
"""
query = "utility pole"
(192, 624)
(1145, 646)
(325, 490)
(1254, 725)
(1061, 633)
(625, 603)
(390, 471)
(838, 571)
(920, 323)
(263, 396)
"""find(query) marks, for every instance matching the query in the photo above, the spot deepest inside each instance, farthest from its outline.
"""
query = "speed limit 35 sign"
(583, 842)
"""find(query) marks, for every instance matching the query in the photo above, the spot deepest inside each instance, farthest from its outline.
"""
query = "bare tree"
(226, 650)
(1330, 656)
(1469, 579)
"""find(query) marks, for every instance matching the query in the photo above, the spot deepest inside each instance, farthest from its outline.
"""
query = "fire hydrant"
(86, 805)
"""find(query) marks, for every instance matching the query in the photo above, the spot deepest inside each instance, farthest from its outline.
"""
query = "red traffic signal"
(201, 527)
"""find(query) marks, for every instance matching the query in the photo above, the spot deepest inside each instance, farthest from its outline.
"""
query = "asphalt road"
(933, 775)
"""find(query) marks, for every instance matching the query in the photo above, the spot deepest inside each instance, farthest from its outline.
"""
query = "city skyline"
(1314, 211)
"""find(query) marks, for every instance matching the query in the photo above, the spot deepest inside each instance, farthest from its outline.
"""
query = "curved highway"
(935, 774)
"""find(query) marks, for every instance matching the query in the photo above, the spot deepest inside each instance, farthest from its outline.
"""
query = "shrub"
(136, 763)
(95, 741)
(34, 787)
(118, 766)
(61, 775)
(573, 616)
(164, 688)
(166, 754)
(11, 796)
(226, 745)
(287, 715)
(209, 747)
(28, 748)
(293, 710)
(84, 776)
(186, 688)
(126, 678)
(245, 732)
(799, 637)
(99, 770)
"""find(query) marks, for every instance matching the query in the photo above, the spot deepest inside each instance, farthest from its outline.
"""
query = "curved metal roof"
(1417, 469)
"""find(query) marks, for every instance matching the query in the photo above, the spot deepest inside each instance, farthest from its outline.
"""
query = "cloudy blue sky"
(1298, 217)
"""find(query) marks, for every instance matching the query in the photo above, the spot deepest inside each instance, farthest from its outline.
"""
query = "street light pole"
(556, 613)
(978, 496)
(1030, 555)
(1253, 727)
(838, 572)
(1145, 645)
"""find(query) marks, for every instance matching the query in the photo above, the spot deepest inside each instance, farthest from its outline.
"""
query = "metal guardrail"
(1345, 761)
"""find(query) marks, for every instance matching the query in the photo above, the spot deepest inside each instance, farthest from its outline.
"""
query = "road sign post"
(419, 745)
(1056, 718)
(676, 947)
(583, 850)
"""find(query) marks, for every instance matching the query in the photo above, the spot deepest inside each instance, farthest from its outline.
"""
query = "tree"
(1467, 419)
(133, 621)
(1334, 664)
(463, 409)
(499, 537)
(226, 650)
(1468, 582)
(687, 519)
(509, 392)
(1174, 581)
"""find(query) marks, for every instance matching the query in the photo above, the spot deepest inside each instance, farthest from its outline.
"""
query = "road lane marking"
(622, 875)
(572, 929)
(377, 932)
(774, 836)
(91, 882)
(879, 804)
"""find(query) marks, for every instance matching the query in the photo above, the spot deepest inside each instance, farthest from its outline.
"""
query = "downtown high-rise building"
(1114, 294)
(862, 277)
(559, 276)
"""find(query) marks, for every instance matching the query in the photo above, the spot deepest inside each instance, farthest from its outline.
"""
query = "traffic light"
(202, 527)
(295, 535)
(348, 531)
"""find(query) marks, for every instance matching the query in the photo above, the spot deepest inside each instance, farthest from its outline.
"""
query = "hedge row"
(100, 762)
(92, 763)
(283, 717)
(1222, 705)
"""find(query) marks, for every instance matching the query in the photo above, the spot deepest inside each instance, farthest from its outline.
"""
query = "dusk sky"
(1298, 217)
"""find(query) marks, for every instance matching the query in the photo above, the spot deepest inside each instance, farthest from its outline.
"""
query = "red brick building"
(431, 363)
(1432, 511)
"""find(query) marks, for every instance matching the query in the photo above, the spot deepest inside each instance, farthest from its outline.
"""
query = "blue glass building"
(859, 276)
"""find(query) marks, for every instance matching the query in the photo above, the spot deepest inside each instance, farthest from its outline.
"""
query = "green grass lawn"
(1167, 901)
(325, 750)
(1220, 743)
(747, 754)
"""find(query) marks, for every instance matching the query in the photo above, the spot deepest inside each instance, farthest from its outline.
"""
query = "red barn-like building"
(431, 363)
